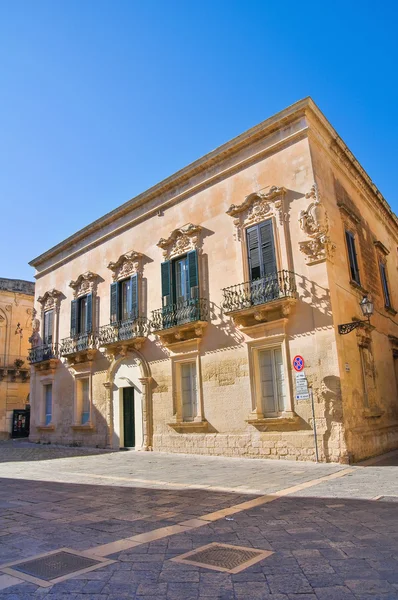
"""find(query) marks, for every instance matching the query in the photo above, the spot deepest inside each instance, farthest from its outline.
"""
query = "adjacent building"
(178, 321)
(16, 311)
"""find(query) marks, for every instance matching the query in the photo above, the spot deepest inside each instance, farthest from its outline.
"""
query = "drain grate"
(55, 565)
(223, 557)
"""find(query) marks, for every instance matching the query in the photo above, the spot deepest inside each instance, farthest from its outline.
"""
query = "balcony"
(130, 332)
(265, 299)
(14, 366)
(80, 347)
(44, 357)
(182, 321)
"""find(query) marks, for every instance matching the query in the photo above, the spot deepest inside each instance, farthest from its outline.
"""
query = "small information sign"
(302, 392)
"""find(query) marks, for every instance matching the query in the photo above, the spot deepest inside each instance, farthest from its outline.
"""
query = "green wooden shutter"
(48, 327)
(166, 283)
(267, 248)
(352, 256)
(114, 304)
(253, 253)
(134, 296)
(73, 317)
(193, 273)
(89, 313)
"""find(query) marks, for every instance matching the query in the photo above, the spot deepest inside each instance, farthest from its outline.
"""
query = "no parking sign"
(298, 363)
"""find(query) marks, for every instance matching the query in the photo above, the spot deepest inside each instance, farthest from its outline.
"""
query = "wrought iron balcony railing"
(280, 284)
(77, 343)
(122, 331)
(186, 311)
(39, 354)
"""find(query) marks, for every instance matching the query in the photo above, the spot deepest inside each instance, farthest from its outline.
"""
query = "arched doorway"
(129, 382)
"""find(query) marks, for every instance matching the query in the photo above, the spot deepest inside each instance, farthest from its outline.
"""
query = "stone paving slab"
(330, 541)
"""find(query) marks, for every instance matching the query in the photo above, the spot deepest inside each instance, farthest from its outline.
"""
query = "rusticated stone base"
(284, 445)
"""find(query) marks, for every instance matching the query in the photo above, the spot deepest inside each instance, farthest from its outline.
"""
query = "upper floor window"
(48, 325)
(352, 257)
(384, 283)
(124, 299)
(261, 250)
(180, 279)
(81, 315)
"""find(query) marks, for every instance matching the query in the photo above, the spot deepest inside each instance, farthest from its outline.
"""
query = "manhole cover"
(223, 557)
(55, 565)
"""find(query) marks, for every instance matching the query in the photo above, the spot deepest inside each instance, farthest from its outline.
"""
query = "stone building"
(16, 309)
(172, 322)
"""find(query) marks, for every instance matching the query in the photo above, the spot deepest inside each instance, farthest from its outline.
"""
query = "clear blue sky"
(101, 99)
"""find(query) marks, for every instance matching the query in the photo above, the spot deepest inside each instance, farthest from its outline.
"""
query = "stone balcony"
(265, 299)
(184, 320)
(128, 333)
(45, 357)
(79, 348)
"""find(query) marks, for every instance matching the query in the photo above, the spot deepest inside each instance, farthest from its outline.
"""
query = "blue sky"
(102, 99)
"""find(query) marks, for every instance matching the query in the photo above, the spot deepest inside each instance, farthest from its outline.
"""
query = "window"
(81, 315)
(48, 323)
(384, 283)
(261, 250)
(180, 280)
(48, 403)
(124, 300)
(83, 401)
(189, 392)
(272, 381)
(352, 257)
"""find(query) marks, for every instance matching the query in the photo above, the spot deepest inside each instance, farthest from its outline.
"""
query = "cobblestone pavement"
(332, 529)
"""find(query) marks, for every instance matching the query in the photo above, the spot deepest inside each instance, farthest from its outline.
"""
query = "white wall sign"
(302, 392)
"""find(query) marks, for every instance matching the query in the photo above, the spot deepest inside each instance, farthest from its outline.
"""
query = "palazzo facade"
(172, 322)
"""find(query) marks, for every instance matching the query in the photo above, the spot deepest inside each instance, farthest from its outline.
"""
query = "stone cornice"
(50, 299)
(180, 241)
(126, 265)
(86, 283)
(173, 183)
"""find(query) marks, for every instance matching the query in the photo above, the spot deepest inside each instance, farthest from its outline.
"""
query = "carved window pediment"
(314, 223)
(257, 207)
(84, 284)
(180, 241)
(126, 265)
(50, 299)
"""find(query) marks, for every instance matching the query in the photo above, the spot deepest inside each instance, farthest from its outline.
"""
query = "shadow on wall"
(330, 395)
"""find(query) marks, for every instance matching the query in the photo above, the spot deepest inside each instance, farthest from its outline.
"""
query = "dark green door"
(128, 417)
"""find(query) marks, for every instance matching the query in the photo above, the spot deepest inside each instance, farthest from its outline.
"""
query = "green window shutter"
(89, 313)
(193, 273)
(134, 296)
(73, 317)
(48, 327)
(267, 248)
(166, 283)
(253, 252)
(114, 302)
(352, 257)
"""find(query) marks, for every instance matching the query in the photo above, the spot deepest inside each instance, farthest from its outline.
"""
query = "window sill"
(45, 428)
(390, 310)
(83, 427)
(358, 287)
(284, 422)
(190, 426)
(372, 413)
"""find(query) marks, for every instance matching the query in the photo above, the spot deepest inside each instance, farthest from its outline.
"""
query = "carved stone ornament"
(314, 223)
(257, 207)
(126, 265)
(51, 299)
(180, 241)
(84, 284)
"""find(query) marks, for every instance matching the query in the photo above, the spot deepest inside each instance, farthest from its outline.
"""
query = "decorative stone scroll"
(51, 299)
(126, 265)
(84, 284)
(257, 207)
(180, 241)
(314, 223)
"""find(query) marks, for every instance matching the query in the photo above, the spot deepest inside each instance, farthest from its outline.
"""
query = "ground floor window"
(83, 404)
(272, 380)
(48, 403)
(189, 391)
